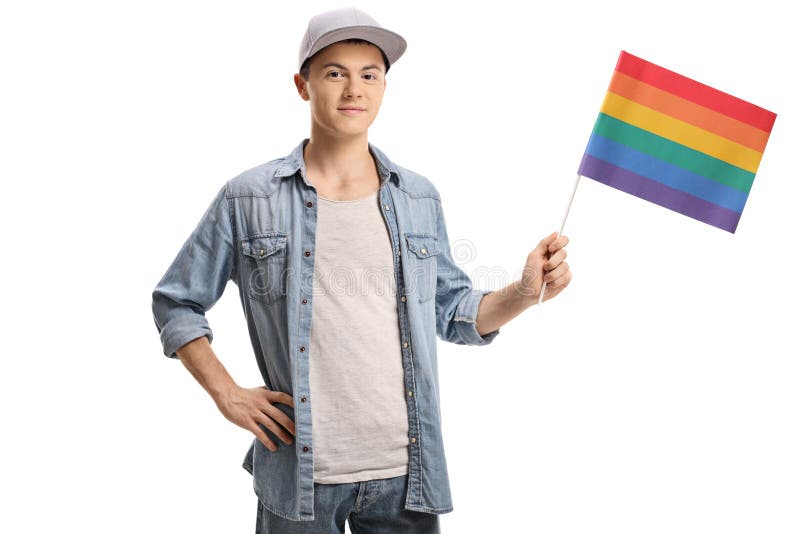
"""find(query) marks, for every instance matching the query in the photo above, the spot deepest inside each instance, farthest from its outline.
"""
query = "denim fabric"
(259, 232)
(370, 507)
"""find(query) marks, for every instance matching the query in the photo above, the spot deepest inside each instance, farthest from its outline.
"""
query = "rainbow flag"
(677, 143)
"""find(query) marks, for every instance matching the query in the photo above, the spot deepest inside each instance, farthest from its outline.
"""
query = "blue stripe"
(666, 173)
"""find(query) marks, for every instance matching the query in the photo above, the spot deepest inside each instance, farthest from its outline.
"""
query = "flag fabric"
(677, 143)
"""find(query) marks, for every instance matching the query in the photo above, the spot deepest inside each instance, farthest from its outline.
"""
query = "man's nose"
(353, 88)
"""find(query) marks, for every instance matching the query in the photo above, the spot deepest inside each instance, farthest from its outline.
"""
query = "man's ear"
(300, 84)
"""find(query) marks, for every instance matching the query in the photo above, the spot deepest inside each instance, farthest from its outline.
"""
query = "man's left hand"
(546, 264)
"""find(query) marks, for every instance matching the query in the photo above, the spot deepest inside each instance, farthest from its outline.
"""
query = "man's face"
(342, 76)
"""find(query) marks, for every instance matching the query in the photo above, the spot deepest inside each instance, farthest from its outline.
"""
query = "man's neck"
(339, 161)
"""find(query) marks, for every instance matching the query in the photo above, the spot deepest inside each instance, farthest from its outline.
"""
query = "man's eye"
(331, 73)
(372, 76)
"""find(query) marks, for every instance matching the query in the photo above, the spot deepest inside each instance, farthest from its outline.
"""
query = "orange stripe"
(688, 112)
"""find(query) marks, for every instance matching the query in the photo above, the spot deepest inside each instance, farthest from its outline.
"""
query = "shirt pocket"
(423, 249)
(265, 259)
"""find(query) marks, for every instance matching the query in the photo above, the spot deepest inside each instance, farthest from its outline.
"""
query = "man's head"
(344, 85)
(344, 57)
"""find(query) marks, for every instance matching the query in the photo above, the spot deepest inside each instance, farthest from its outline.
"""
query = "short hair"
(305, 68)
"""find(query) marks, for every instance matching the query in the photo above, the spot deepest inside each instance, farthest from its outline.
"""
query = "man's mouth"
(352, 110)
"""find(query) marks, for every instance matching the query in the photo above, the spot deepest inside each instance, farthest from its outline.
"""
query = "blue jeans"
(370, 507)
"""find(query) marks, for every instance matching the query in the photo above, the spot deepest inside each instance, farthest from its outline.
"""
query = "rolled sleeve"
(466, 317)
(181, 330)
(196, 279)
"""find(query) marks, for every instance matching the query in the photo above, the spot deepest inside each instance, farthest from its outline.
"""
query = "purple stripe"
(658, 193)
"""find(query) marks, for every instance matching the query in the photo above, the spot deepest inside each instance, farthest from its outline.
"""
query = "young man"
(347, 426)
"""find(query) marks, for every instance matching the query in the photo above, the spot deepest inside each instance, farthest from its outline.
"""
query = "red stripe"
(696, 92)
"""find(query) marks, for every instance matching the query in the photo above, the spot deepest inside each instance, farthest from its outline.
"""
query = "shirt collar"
(294, 162)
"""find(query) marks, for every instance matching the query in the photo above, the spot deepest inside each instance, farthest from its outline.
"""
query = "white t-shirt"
(358, 409)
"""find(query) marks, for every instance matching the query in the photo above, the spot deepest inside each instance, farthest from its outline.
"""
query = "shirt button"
(302, 349)
(403, 298)
(308, 253)
(413, 440)
(424, 251)
(386, 207)
(405, 344)
(305, 448)
(309, 204)
(302, 399)
(261, 252)
(410, 393)
(305, 301)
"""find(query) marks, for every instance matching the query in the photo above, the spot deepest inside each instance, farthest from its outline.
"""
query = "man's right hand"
(250, 407)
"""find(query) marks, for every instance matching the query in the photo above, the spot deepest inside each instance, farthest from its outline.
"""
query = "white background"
(658, 394)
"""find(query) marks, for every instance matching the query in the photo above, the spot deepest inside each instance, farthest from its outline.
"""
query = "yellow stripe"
(681, 132)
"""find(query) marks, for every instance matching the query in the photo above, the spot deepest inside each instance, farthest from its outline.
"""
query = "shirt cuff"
(181, 330)
(466, 315)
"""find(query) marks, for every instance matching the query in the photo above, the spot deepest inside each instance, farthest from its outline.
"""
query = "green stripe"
(674, 153)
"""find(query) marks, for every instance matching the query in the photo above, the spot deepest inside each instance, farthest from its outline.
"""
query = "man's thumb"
(541, 248)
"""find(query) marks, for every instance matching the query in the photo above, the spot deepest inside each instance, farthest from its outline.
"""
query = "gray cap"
(346, 23)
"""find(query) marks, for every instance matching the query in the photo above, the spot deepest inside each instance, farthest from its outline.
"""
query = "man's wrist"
(222, 390)
(526, 295)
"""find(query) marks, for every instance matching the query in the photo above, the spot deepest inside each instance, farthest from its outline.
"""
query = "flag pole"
(563, 222)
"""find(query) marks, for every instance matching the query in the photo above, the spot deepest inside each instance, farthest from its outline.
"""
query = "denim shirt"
(259, 232)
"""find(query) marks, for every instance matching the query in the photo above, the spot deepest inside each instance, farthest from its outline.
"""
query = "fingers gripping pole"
(561, 230)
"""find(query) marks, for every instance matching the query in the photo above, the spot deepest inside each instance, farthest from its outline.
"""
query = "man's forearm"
(499, 307)
(198, 357)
